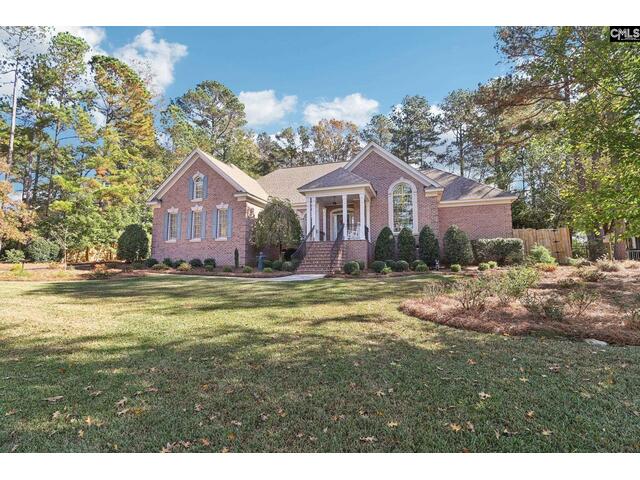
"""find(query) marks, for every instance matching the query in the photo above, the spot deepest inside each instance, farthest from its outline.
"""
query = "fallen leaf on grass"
(205, 442)
(13, 411)
(95, 393)
(455, 427)
(368, 439)
(54, 399)
(236, 423)
(232, 436)
(524, 379)
(471, 427)
(471, 361)
(392, 424)
(197, 407)
(484, 396)
(80, 433)
(264, 417)
(121, 402)
(530, 414)
(546, 432)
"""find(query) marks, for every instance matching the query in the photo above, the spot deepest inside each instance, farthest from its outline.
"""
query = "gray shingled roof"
(284, 182)
(337, 178)
(462, 188)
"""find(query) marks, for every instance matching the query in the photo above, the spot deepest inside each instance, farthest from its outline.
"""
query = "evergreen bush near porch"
(457, 247)
(133, 244)
(385, 245)
(428, 245)
(406, 246)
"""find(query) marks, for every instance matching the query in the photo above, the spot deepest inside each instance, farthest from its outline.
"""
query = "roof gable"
(457, 187)
(336, 178)
(391, 158)
(232, 174)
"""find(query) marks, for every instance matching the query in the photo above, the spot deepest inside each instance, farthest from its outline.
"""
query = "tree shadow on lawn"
(252, 389)
(220, 295)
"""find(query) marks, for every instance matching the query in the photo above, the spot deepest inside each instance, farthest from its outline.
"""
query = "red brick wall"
(478, 221)
(356, 250)
(220, 191)
(381, 174)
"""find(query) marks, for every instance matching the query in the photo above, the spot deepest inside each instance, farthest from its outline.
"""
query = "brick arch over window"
(403, 205)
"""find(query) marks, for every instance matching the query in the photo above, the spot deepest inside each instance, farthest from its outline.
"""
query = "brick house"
(206, 208)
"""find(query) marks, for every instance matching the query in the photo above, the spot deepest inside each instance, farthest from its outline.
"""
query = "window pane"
(195, 221)
(222, 223)
(197, 187)
(402, 207)
(173, 226)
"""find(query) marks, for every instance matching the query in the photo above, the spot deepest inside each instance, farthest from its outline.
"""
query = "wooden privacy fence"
(557, 240)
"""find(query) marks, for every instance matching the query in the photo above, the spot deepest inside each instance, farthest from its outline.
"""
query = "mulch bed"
(605, 320)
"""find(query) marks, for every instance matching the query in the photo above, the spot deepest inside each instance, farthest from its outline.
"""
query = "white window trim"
(414, 202)
(193, 178)
(225, 207)
(172, 211)
(196, 209)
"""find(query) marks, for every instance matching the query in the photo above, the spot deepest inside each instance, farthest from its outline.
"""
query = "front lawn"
(190, 364)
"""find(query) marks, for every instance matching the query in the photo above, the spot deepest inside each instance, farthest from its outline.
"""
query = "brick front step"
(318, 258)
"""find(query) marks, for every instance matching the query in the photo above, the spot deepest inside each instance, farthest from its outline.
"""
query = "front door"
(338, 221)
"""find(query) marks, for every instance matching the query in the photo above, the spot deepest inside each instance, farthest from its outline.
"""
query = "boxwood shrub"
(150, 262)
(406, 245)
(504, 251)
(42, 250)
(276, 264)
(378, 265)
(288, 266)
(210, 261)
(422, 267)
(457, 247)
(350, 267)
(415, 264)
(168, 262)
(428, 246)
(133, 244)
(455, 267)
(196, 263)
(402, 266)
(385, 245)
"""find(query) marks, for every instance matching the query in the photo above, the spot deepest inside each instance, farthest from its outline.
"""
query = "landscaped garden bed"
(590, 302)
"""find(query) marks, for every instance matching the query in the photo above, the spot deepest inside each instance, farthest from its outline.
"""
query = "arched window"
(198, 187)
(402, 208)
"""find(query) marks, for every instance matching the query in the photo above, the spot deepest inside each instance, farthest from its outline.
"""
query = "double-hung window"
(196, 224)
(223, 224)
(172, 227)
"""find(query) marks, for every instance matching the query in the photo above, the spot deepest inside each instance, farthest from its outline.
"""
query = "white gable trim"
(391, 158)
(186, 163)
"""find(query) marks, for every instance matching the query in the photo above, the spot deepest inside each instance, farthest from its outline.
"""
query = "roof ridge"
(468, 179)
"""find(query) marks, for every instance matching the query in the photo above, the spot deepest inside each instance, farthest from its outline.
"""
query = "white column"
(361, 207)
(368, 203)
(314, 217)
(344, 215)
(324, 222)
(308, 216)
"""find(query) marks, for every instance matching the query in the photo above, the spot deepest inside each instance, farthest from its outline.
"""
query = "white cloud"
(153, 58)
(354, 108)
(94, 36)
(263, 107)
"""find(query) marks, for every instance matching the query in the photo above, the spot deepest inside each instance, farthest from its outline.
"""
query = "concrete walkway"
(300, 277)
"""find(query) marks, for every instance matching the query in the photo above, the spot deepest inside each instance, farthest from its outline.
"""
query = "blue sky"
(296, 75)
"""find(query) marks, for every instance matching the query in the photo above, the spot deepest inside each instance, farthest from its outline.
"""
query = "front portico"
(328, 198)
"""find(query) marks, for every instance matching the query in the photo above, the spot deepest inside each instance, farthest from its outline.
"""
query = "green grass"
(328, 365)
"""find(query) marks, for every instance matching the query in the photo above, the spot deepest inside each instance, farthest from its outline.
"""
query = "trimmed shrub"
(402, 266)
(267, 263)
(456, 267)
(360, 264)
(385, 271)
(288, 266)
(42, 250)
(421, 267)
(209, 268)
(540, 254)
(236, 258)
(247, 269)
(276, 265)
(267, 270)
(196, 263)
(168, 262)
(138, 265)
(428, 246)
(160, 266)
(210, 261)
(179, 262)
(504, 251)
(150, 262)
(227, 269)
(406, 245)
(391, 264)
(350, 267)
(378, 265)
(133, 244)
(14, 255)
(483, 266)
(385, 245)
(183, 267)
(415, 264)
(457, 247)
(492, 264)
